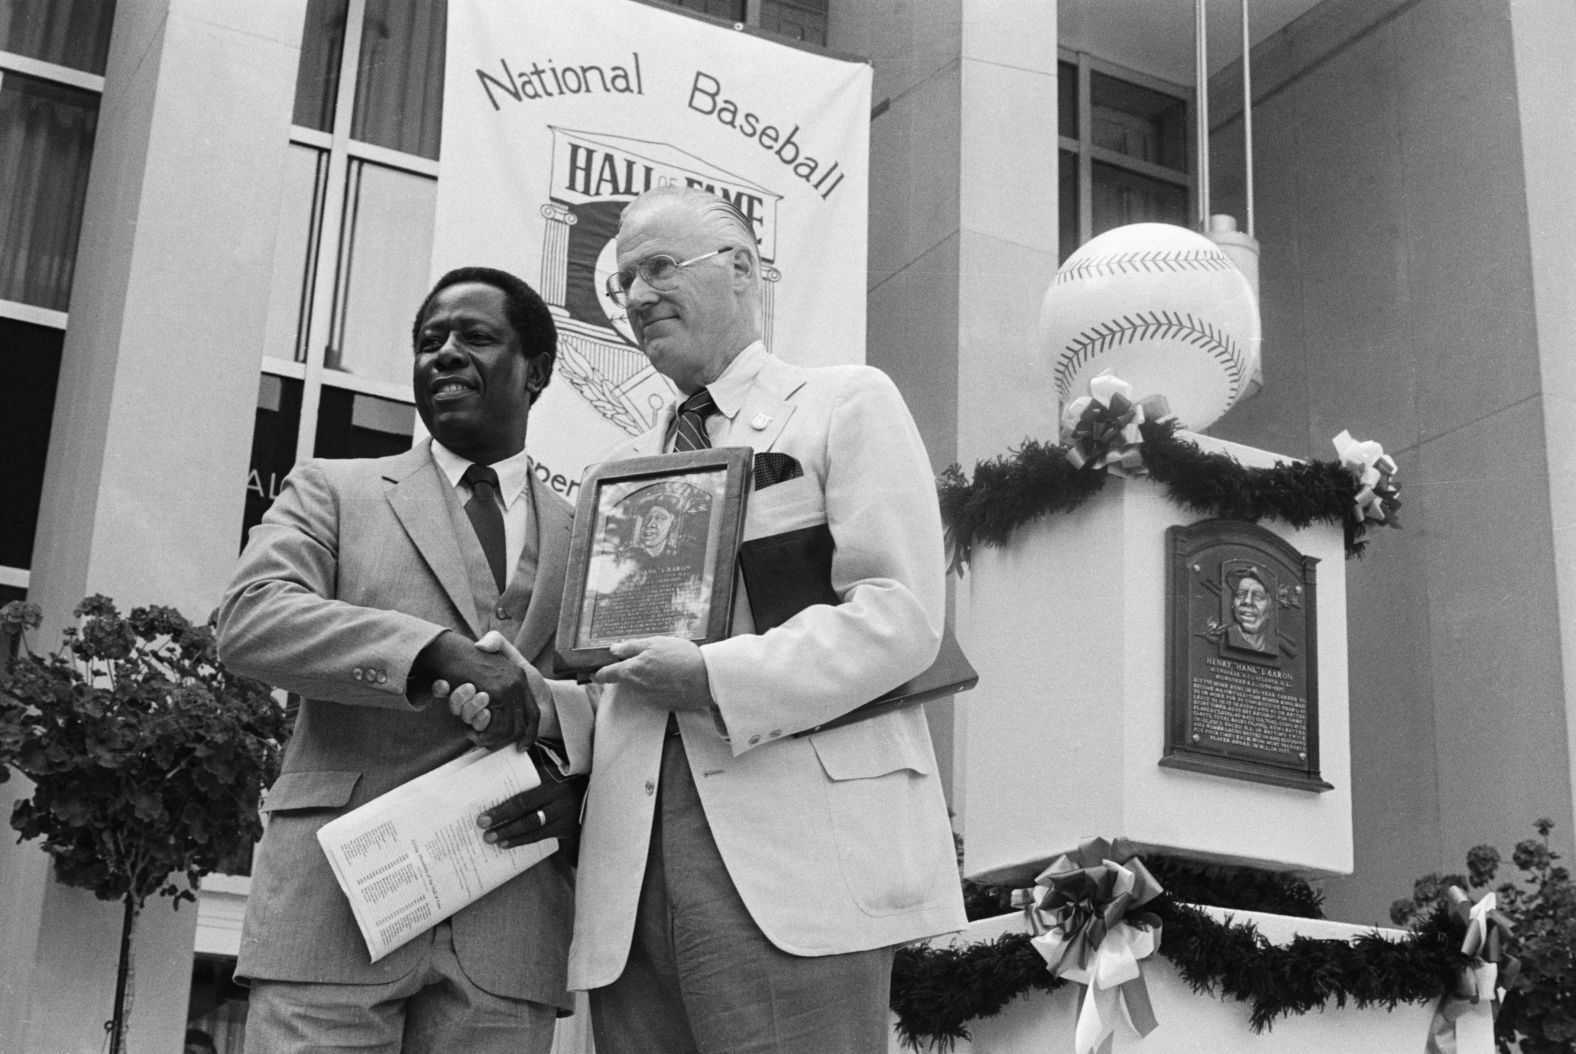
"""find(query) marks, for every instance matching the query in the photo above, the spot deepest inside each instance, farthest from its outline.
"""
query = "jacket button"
(651, 786)
(503, 613)
(754, 740)
(356, 673)
(776, 732)
(382, 677)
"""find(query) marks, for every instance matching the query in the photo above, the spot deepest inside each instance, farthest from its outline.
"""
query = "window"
(795, 19)
(354, 238)
(27, 405)
(69, 33)
(46, 143)
(52, 57)
(1125, 154)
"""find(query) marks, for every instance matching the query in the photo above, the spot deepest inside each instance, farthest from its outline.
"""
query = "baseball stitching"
(1161, 325)
(1143, 263)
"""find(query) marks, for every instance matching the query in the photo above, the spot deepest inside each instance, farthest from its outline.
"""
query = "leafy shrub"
(1539, 1012)
(147, 757)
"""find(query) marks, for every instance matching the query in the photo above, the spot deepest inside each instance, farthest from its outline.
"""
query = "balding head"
(709, 210)
(695, 321)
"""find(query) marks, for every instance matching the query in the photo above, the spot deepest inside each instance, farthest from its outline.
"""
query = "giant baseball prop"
(1164, 309)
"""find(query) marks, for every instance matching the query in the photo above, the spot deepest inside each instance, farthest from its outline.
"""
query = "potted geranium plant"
(147, 757)
(1539, 1015)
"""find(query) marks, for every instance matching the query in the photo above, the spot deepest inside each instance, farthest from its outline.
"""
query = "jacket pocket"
(310, 790)
(883, 814)
(857, 752)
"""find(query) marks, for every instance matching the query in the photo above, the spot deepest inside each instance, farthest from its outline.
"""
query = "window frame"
(325, 274)
(48, 318)
(752, 25)
(11, 62)
(1086, 153)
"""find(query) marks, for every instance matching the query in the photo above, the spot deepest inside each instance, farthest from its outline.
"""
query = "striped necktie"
(689, 432)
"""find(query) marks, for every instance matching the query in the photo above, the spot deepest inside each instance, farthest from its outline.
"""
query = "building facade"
(215, 219)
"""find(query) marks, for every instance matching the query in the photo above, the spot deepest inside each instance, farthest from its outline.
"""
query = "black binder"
(786, 573)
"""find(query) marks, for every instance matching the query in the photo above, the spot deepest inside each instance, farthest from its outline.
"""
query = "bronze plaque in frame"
(1242, 656)
(653, 554)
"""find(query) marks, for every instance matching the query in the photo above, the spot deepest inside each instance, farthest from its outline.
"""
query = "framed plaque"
(655, 545)
(1242, 656)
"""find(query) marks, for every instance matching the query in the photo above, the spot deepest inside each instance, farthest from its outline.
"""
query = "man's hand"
(466, 702)
(549, 811)
(494, 696)
(668, 670)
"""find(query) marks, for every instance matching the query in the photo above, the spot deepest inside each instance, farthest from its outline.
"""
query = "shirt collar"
(729, 389)
(513, 471)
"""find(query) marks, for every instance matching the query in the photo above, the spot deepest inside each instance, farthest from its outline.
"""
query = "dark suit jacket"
(356, 567)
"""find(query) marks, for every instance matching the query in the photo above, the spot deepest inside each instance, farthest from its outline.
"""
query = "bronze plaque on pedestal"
(1242, 656)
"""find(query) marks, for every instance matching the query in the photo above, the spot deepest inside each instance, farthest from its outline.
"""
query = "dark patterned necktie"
(487, 518)
(689, 431)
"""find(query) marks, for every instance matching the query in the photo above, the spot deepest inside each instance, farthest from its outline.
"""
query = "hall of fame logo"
(593, 177)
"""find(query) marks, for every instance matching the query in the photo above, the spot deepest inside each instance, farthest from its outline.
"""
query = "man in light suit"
(741, 888)
(366, 584)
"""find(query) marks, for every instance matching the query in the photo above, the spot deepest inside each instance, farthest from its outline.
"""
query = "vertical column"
(555, 253)
(912, 285)
(1008, 225)
(769, 279)
(147, 459)
(1007, 255)
(1548, 144)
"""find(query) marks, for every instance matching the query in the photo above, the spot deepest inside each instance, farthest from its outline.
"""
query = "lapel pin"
(760, 421)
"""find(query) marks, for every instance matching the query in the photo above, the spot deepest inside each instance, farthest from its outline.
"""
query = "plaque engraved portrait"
(653, 553)
(648, 574)
(1243, 684)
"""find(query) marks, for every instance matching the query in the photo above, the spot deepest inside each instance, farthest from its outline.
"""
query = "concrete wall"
(962, 223)
(1548, 150)
(1401, 299)
(914, 47)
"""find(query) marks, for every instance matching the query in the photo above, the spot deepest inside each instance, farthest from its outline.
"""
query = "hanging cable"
(1201, 73)
(1247, 116)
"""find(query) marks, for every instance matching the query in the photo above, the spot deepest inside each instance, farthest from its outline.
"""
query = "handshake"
(488, 685)
(492, 688)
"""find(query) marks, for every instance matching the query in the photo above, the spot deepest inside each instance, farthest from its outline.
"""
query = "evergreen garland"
(1036, 479)
(1216, 885)
(1235, 888)
(937, 991)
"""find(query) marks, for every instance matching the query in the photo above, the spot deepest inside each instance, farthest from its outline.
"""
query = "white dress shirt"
(513, 472)
(728, 391)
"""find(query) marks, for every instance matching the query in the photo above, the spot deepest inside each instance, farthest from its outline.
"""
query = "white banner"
(556, 114)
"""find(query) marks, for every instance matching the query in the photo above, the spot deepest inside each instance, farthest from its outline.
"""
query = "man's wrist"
(427, 667)
(436, 657)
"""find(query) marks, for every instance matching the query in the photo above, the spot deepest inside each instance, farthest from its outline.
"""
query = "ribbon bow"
(1466, 1013)
(1378, 495)
(1089, 930)
(1100, 430)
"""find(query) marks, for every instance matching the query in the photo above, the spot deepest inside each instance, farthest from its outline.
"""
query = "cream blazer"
(837, 841)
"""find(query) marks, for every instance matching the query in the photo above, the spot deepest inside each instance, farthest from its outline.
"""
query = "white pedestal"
(1199, 1023)
(1063, 737)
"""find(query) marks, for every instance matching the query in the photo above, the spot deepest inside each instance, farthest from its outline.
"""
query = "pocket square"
(773, 467)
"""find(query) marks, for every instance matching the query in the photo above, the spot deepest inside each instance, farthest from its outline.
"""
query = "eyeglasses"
(659, 272)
